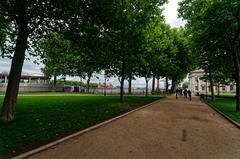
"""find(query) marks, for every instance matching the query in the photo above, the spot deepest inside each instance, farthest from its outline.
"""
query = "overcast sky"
(171, 16)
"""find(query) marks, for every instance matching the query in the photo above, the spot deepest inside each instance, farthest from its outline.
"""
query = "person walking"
(189, 94)
(181, 92)
(177, 90)
(185, 93)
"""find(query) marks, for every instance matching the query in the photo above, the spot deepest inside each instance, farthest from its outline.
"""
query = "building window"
(223, 88)
(216, 88)
(196, 79)
(231, 88)
(196, 88)
(203, 88)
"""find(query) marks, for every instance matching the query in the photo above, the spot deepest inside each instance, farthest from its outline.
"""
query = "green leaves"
(212, 25)
(56, 54)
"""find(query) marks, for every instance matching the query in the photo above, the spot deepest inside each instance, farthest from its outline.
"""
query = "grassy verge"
(223, 95)
(44, 118)
(227, 106)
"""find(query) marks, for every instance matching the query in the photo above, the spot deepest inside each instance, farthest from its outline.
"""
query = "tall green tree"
(128, 20)
(29, 21)
(181, 59)
(57, 56)
(219, 22)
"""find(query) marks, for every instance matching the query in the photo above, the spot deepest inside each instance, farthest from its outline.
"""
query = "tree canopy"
(214, 27)
(125, 38)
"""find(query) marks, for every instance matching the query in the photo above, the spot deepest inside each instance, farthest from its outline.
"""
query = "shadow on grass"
(41, 119)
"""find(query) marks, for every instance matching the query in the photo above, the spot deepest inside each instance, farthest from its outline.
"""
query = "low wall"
(26, 87)
(116, 91)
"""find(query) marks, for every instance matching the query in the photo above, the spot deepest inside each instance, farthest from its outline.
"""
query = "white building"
(197, 85)
(28, 83)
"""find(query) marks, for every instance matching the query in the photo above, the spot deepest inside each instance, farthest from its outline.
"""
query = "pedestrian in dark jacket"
(189, 94)
(185, 93)
(177, 90)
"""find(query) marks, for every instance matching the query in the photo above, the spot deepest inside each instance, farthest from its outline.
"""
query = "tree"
(155, 44)
(4, 27)
(218, 23)
(185, 85)
(144, 69)
(29, 21)
(57, 55)
(128, 20)
(179, 55)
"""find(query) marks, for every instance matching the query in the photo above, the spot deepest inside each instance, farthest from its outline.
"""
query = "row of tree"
(163, 52)
(214, 28)
(126, 38)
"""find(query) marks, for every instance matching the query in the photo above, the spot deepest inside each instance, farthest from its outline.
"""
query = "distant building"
(25, 78)
(198, 85)
(102, 85)
(28, 83)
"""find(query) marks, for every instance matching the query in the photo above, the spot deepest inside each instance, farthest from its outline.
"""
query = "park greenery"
(122, 38)
(125, 38)
(52, 117)
(214, 30)
(226, 105)
(78, 83)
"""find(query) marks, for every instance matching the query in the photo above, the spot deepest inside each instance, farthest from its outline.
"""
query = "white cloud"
(28, 68)
(171, 14)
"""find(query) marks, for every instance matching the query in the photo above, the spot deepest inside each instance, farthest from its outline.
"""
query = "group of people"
(186, 93)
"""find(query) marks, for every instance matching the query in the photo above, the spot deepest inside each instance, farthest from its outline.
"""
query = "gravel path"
(169, 129)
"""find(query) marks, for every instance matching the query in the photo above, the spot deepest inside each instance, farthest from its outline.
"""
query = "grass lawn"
(226, 106)
(223, 95)
(44, 118)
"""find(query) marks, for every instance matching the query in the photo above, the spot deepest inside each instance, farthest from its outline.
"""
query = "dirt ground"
(169, 129)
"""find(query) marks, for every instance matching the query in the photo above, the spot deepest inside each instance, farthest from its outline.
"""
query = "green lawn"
(226, 106)
(223, 95)
(43, 118)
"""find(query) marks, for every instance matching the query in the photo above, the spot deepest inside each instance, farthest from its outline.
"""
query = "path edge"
(81, 132)
(222, 114)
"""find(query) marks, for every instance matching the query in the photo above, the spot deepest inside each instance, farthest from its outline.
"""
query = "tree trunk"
(105, 87)
(158, 88)
(88, 81)
(153, 84)
(146, 86)
(122, 52)
(237, 80)
(121, 88)
(211, 85)
(238, 93)
(122, 80)
(206, 90)
(218, 90)
(130, 84)
(173, 86)
(235, 56)
(10, 100)
(54, 83)
(166, 89)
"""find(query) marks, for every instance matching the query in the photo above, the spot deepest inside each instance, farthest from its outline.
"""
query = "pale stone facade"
(25, 78)
(28, 83)
(197, 85)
